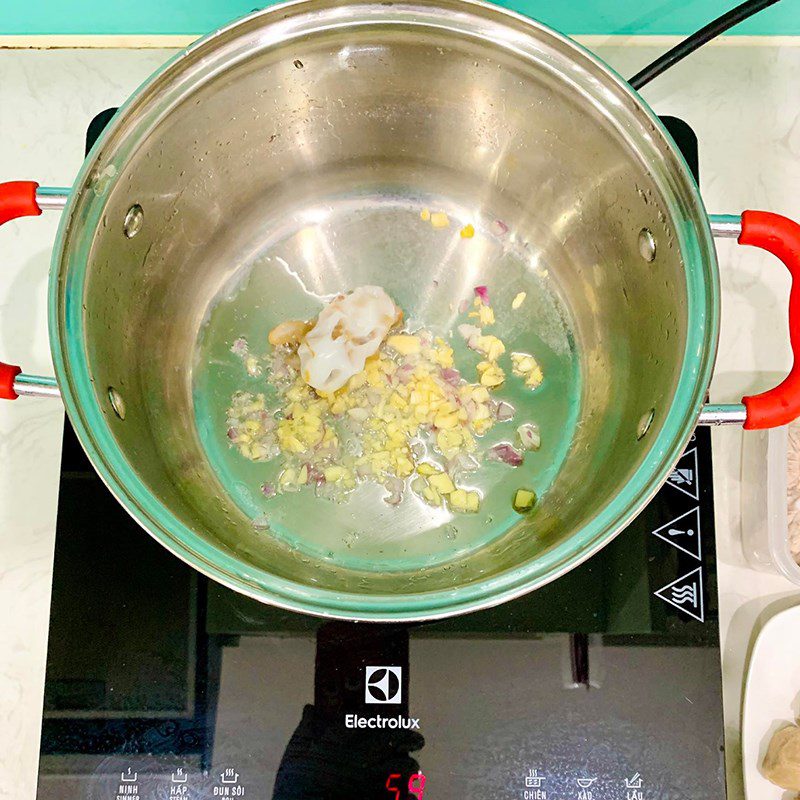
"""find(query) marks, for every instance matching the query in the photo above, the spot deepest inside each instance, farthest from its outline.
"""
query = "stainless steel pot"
(290, 154)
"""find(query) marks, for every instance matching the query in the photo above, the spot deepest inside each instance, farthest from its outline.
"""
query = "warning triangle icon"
(683, 532)
(686, 594)
(684, 475)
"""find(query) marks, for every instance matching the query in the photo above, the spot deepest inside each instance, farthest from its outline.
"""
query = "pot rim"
(88, 418)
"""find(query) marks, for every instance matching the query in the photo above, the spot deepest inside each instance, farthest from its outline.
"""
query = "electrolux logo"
(357, 721)
(383, 685)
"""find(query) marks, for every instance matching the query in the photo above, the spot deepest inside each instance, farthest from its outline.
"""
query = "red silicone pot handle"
(781, 237)
(18, 199)
(8, 372)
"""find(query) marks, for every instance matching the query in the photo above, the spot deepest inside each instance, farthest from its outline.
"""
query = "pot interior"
(289, 159)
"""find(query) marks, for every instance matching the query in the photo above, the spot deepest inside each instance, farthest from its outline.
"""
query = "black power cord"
(696, 40)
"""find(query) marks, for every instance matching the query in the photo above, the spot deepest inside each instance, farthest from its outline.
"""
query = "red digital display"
(416, 785)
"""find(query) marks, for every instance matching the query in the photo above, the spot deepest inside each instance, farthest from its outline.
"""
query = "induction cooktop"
(603, 684)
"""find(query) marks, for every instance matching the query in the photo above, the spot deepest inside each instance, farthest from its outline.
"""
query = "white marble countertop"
(742, 101)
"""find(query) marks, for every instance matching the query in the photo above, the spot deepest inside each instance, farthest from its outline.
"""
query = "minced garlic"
(527, 367)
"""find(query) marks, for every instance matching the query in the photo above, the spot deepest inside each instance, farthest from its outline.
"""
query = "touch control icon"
(635, 782)
(229, 776)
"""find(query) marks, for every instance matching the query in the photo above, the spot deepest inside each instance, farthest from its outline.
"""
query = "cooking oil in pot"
(430, 271)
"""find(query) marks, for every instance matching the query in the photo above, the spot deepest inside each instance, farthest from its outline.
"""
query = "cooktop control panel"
(603, 685)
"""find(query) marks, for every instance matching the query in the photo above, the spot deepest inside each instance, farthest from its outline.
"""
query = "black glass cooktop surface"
(603, 684)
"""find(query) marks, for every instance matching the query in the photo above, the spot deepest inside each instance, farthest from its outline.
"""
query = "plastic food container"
(765, 513)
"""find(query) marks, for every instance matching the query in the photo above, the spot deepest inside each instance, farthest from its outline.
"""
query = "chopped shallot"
(239, 347)
(506, 453)
(529, 436)
(483, 293)
(395, 488)
(461, 463)
(504, 411)
(469, 333)
(451, 376)
(315, 475)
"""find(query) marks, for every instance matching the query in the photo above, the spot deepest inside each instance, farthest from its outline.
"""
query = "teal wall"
(200, 16)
